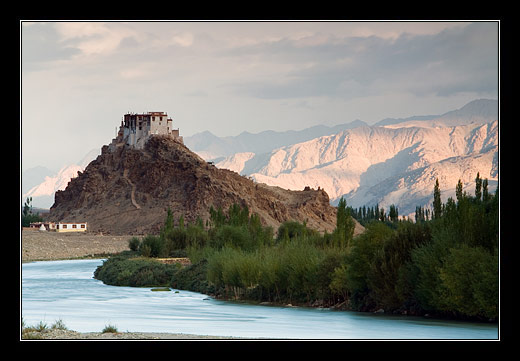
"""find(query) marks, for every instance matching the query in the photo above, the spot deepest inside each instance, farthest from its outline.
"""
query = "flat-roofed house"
(71, 227)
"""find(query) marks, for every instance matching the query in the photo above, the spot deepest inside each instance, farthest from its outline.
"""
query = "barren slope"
(128, 191)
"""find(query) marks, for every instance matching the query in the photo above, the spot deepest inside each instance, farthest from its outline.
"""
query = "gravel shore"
(47, 246)
(73, 335)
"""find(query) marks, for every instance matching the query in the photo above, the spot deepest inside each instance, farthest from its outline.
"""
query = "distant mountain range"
(394, 161)
(41, 183)
(210, 147)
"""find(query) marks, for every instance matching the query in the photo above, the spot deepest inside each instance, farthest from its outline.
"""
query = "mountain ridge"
(211, 147)
(357, 162)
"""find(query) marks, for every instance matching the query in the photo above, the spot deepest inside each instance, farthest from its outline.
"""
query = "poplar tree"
(478, 187)
(344, 223)
(485, 193)
(437, 204)
(458, 191)
(394, 213)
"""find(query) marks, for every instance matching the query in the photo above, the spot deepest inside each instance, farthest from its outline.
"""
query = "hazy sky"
(79, 78)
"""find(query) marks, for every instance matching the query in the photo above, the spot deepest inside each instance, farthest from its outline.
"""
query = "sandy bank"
(46, 246)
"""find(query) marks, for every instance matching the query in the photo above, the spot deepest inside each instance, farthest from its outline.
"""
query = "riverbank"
(51, 246)
(74, 335)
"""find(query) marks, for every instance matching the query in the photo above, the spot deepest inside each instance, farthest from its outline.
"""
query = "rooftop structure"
(136, 128)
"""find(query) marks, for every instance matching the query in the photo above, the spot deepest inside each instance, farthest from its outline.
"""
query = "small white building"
(71, 227)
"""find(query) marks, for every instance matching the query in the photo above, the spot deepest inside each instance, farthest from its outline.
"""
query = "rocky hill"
(128, 191)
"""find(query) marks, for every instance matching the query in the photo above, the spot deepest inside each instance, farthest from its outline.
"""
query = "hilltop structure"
(136, 129)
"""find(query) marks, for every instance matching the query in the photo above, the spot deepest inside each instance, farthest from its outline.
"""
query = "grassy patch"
(110, 329)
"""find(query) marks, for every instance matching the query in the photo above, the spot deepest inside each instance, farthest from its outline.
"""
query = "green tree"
(181, 222)
(168, 224)
(339, 281)
(217, 217)
(485, 192)
(394, 254)
(437, 203)
(458, 191)
(360, 260)
(470, 278)
(394, 213)
(292, 230)
(27, 216)
(478, 187)
(27, 207)
(344, 224)
(151, 246)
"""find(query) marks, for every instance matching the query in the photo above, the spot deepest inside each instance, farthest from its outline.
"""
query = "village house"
(71, 227)
(60, 226)
(136, 128)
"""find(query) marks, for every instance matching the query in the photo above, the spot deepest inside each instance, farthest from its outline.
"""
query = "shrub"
(109, 329)
(153, 246)
(231, 236)
(134, 243)
(123, 271)
(290, 230)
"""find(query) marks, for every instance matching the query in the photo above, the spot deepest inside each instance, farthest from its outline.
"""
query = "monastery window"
(64, 226)
(82, 226)
(74, 226)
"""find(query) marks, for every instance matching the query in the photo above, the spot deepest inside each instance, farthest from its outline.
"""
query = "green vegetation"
(27, 214)
(34, 332)
(109, 329)
(444, 264)
(129, 269)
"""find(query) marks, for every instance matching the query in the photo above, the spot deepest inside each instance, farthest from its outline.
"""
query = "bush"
(135, 272)
(194, 278)
(231, 236)
(109, 329)
(134, 243)
(152, 246)
(291, 230)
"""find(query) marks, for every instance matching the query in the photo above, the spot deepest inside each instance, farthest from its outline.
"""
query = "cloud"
(183, 39)
(455, 60)
(41, 44)
(196, 93)
(94, 37)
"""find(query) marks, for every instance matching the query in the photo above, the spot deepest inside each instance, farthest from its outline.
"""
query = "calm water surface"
(65, 290)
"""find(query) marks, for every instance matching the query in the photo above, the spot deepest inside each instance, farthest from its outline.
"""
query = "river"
(66, 290)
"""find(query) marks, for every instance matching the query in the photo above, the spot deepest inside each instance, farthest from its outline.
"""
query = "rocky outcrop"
(128, 191)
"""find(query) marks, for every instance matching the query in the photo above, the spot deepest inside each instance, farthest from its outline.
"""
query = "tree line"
(445, 263)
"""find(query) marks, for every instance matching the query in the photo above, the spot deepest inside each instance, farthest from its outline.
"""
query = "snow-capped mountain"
(388, 164)
(210, 147)
(43, 193)
(475, 112)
